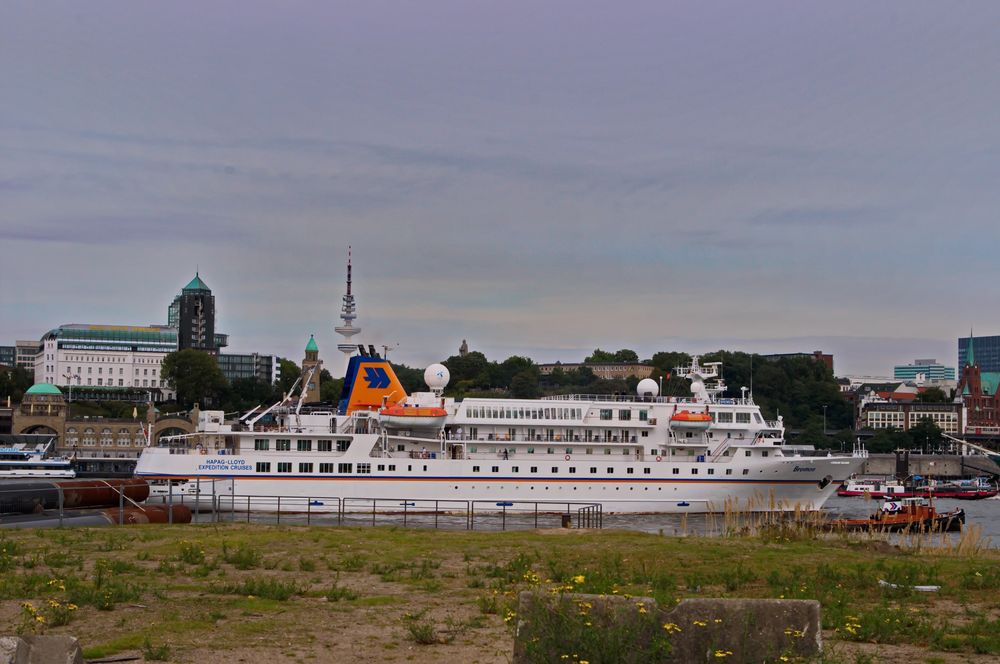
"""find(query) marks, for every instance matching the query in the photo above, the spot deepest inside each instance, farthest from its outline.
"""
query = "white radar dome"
(647, 387)
(436, 376)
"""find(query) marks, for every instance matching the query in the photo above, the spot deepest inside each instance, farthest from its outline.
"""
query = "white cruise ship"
(641, 454)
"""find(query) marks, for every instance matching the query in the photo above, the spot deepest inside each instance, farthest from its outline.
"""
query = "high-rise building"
(192, 314)
(241, 366)
(987, 352)
(8, 356)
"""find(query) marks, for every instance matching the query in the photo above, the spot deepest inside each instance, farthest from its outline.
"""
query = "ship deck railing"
(634, 398)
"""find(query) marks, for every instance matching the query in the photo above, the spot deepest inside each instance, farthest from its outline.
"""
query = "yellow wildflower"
(579, 578)
(672, 627)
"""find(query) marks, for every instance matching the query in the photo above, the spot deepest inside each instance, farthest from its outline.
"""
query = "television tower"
(348, 315)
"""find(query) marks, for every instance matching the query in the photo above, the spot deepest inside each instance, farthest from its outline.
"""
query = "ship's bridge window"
(261, 444)
(283, 444)
(324, 445)
(724, 417)
(743, 418)
(305, 446)
(757, 418)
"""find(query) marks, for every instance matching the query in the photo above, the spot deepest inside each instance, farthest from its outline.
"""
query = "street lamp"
(824, 419)
(69, 381)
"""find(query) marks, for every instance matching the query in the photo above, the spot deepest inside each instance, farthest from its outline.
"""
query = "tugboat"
(905, 515)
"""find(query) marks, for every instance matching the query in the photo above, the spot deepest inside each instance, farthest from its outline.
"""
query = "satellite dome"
(647, 387)
(436, 376)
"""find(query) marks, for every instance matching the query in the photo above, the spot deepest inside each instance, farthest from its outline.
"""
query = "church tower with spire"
(348, 314)
(312, 360)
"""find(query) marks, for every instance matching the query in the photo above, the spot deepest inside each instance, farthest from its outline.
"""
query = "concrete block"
(40, 650)
(611, 627)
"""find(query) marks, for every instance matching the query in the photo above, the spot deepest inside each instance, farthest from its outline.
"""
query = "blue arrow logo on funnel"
(376, 377)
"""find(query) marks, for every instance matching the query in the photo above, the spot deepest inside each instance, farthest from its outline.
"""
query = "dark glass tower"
(195, 316)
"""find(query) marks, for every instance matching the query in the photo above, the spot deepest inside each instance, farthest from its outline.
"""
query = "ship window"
(743, 418)
(261, 444)
(572, 470)
(284, 466)
(344, 467)
(757, 418)
(475, 469)
(531, 450)
(729, 471)
(644, 434)
(711, 471)
(624, 415)
(263, 467)
(630, 471)
(747, 453)
(324, 445)
(392, 467)
(326, 467)
(555, 470)
(364, 469)
(593, 470)
(381, 467)
(746, 471)
(534, 469)
(643, 415)
(283, 444)
(645, 471)
(724, 417)
(343, 444)
(694, 471)
(305, 467)
(677, 471)
(496, 469)
(514, 469)
(605, 413)
(763, 453)
(305, 446)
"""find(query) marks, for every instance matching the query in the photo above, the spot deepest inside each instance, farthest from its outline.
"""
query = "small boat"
(975, 488)
(874, 487)
(685, 419)
(413, 417)
(906, 515)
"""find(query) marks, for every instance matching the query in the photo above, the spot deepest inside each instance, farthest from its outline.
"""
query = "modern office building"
(987, 352)
(8, 356)
(26, 353)
(876, 413)
(929, 370)
(241, 366)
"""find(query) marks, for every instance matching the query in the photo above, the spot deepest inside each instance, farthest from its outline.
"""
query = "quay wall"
(933, 465)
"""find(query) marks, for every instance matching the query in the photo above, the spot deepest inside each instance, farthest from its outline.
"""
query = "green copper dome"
(43, 388)
(197, 284)
(312, 344)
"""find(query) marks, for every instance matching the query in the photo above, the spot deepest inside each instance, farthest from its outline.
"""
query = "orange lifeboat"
(413, 417)
(689, 421)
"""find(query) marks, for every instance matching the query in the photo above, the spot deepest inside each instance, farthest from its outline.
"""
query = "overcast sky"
(539, 178)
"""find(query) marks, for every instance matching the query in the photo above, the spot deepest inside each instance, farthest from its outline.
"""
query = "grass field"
(252, 593)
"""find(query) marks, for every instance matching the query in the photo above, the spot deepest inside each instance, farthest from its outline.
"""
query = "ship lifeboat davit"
(689, 421)
(413, 417)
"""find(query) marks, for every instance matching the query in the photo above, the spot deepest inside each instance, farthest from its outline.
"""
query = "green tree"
(886, 441)
(599, 357)
(524, 385)
(195, 376)
(290, 372)
(14, 383)
(926, 434)
(933, 395)
(626, 355)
